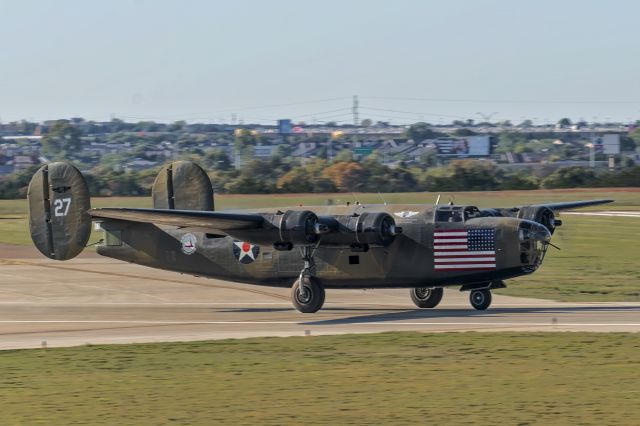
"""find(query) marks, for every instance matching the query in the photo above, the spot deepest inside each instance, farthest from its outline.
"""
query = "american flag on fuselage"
(464, 249)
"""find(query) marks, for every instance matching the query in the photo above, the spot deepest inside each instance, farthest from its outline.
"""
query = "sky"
(258, 61)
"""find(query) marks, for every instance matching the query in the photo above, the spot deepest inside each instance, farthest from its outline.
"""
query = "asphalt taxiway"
(92, 300)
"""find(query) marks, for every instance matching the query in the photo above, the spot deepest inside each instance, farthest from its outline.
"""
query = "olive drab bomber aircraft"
(420, 247)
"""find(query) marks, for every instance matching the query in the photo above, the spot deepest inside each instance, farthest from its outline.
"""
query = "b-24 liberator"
(421, 247)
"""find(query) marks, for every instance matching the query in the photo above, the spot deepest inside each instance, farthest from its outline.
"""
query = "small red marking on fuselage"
(246, 247)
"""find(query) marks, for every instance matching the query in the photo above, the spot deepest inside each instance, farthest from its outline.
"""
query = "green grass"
(598, 260)
(14, 228)
(626, 198)
(451, 378)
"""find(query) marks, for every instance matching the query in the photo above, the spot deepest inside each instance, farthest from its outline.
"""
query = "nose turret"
(534, 239)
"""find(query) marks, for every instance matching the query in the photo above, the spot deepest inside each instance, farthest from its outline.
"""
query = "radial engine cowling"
(541, 214)
(359, 231)
(284, 230)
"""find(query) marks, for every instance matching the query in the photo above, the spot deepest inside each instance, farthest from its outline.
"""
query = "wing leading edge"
(224, 222)
(573, 204)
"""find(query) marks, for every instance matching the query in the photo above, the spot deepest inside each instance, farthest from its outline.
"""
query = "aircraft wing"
(214, 221)
(572, 204)
(543, 213)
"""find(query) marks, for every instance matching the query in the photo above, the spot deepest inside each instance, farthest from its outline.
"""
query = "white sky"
(425, 60)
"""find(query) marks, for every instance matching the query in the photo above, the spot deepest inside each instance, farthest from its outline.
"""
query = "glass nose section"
(534, 241)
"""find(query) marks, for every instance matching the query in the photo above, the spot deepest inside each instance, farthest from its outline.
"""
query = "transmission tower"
(486, 117)
(355, 110)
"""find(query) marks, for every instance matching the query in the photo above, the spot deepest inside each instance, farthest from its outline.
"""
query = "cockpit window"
(456, 214)
(449, 216)
(471, 213)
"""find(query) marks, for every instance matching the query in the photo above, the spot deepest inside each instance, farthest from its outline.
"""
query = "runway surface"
(99, 300)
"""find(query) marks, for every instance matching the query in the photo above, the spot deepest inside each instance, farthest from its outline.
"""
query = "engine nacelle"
(359, 231)
(284, 230)
(541, 214)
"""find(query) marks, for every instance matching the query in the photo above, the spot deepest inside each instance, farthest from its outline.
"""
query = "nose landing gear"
(480, 299)
(480, 296)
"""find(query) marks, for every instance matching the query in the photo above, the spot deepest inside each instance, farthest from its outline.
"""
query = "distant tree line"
(280, 175)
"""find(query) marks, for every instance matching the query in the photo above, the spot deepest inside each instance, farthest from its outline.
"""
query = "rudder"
(59, 221)
(182, 185)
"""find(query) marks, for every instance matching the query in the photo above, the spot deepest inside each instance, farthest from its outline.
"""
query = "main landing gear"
(307, 294)
(308, 297)
(479, 296)
(425, 297)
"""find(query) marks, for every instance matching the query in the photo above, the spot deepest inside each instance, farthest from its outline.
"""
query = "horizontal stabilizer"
(211, 221)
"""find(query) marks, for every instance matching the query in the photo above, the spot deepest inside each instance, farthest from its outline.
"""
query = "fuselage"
(438, 246)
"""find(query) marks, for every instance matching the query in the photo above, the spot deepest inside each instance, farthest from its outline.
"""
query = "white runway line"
(355, 304)
(309, 323)
(80, 304)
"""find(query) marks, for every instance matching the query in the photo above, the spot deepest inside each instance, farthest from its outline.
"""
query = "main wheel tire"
(314, 296)
(425, 297)
(480, 299)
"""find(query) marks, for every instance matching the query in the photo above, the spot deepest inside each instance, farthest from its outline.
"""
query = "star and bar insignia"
(245, 252)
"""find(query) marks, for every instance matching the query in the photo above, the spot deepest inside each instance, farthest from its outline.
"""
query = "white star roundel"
(406, 214)
(188, 243)
(245, 252)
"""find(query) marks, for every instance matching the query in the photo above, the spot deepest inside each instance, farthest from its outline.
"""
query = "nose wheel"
(480, 299)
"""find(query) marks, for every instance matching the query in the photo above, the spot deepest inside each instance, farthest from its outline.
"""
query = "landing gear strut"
(307, 294)
(480, 299)
(426, 297)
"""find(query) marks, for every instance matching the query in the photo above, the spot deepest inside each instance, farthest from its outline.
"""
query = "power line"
(345, 115)
(413, 113)
(389, 117)
(504, 101)
(393, 110)
(281, 105)
(183, 117)
(322, 113)
(209, 114)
